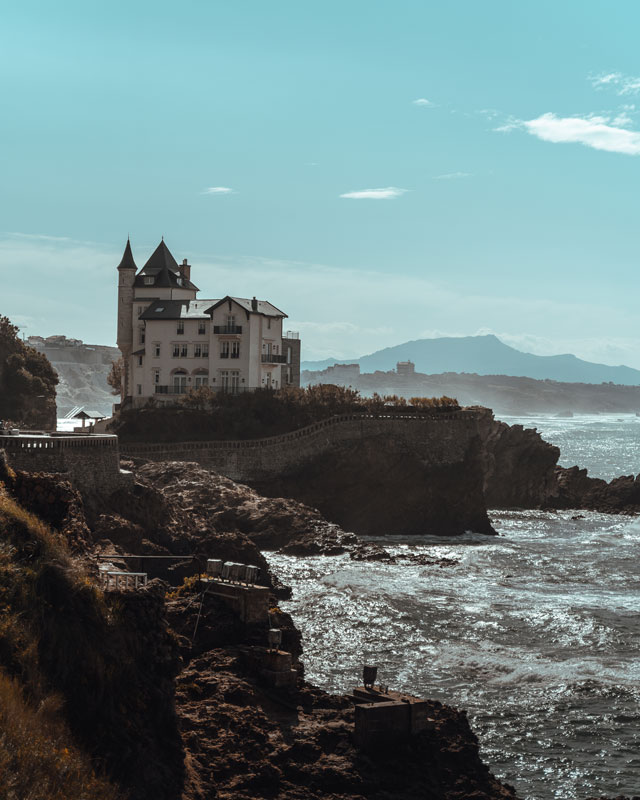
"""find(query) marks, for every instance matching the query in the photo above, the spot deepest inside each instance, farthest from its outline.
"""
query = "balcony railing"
(171, 389)
(227, 328)
(271, 358)
(224, 355)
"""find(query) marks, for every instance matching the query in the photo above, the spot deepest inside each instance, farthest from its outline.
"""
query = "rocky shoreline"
(219, 732)
(215, 730)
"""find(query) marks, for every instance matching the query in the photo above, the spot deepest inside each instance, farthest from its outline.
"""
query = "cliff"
(156, 690)
(400, 472)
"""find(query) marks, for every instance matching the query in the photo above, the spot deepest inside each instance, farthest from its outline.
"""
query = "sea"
(535, 632)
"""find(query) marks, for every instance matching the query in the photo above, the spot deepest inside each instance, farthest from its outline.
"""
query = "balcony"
(224, 355)
(171, 389)
(227, 328)
(271, 358)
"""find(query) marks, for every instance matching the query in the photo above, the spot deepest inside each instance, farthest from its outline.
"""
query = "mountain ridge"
(485, 355)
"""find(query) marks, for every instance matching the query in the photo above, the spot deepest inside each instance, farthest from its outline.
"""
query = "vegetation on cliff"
(203, 414)
(71, 669)
(27, 381)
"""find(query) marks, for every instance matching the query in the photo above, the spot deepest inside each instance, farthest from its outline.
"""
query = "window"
(184, 351)
(235, 349)
(156, 376)
(201, 380)
(141, 335)
(149, 281)
(176, 350)
(269, 323)
(224, 349)
(197, 350)
(205, 351)
(139, 388)
(202, 328)
(156, 350)
(231, 320)
(180, 328)
(140, 360)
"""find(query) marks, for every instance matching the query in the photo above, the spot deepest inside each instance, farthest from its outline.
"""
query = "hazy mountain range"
(485, 355)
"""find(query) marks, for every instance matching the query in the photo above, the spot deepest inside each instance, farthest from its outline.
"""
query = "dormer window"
(149, 281)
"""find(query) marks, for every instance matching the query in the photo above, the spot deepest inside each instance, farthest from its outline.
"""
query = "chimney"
(185, 269)
(254, 304)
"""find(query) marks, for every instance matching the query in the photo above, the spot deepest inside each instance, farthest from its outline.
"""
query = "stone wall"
(436, 439)
(92, 463)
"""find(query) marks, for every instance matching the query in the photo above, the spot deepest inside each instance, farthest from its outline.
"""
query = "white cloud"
(592, 131)
(422, 101)
(390, 193)
(451, 175)
(217, 190)
(622, 84)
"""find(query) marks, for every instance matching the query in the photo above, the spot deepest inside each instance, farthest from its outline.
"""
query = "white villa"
(172, 342)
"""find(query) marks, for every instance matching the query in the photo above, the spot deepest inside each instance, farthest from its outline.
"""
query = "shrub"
(204, 414)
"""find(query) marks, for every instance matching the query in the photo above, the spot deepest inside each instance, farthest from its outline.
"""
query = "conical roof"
(127, 258)
(160, 260)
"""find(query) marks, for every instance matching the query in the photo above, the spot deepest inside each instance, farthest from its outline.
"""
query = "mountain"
(485, 355)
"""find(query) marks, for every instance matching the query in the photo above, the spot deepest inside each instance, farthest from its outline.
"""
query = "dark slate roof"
(159, 259)
(177, 309)
(163, 267)
(264, 308)
(127, 259)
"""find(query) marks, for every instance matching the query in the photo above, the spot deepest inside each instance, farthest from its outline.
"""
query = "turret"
(126, 275)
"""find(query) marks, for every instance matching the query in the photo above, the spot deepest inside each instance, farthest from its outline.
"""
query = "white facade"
(173, 342)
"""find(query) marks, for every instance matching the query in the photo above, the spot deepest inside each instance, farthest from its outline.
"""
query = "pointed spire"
(127, 258)
(160, 258)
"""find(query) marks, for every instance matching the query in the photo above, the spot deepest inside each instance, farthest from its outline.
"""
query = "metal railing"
(227, 328)
(171, 389)
(271, 358)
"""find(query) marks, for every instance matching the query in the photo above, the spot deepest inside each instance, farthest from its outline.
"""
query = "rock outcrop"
(378, 486)
(575, 489)
(518, 465)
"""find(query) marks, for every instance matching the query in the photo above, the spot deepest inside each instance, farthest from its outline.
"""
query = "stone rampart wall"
(437, 439)
(92, 463)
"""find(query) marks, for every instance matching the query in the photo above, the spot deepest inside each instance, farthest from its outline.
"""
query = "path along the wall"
(437, 439)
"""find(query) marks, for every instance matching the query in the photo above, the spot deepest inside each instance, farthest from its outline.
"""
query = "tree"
(27, 381)
(114, 378)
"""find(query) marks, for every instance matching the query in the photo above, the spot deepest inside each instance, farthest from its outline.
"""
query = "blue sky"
(382, 171)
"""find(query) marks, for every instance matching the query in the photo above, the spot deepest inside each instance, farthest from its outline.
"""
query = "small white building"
(171, 341)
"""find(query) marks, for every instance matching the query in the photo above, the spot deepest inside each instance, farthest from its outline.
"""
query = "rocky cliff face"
(378, 486)
(518, 466)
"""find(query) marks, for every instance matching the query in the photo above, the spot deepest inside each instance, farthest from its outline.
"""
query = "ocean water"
(536, 633)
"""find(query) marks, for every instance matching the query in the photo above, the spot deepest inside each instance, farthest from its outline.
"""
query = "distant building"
(172, 342)
(406, 368)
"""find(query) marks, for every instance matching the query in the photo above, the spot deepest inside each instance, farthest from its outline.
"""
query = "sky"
(381, 171)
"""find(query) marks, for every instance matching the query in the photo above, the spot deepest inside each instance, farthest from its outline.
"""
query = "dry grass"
(38, 761)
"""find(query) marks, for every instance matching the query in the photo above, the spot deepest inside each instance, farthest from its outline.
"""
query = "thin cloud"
(451, 176)
(592, 131)
(217, 190)
(422, 101)
(389, 193)
(622, 84)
